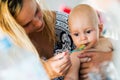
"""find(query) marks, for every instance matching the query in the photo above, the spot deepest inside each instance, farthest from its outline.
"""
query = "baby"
(85, 29)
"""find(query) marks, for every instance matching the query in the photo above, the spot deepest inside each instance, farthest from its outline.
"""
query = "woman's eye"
(36, 11)
(26, 25)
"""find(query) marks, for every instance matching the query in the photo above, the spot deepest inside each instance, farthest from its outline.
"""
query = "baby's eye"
(88, 31)
(75, 34)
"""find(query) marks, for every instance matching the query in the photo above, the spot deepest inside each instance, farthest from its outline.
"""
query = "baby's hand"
(74, 69)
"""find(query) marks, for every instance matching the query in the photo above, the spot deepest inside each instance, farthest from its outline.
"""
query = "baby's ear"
(100, 27)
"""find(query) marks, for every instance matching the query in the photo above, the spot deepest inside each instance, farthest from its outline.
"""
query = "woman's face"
(30, 17)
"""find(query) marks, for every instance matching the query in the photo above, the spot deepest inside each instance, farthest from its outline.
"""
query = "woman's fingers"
(85, 65)
(84, 74)
(60, 56)
(84, 77)
(64, 60)
(84, 60)
(60, 63)
(87, 54)
(84, 71)
(65, 68)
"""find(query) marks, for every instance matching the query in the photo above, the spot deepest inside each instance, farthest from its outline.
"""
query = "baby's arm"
(73, 73)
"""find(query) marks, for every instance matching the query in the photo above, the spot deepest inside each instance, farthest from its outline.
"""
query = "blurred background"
(57, 4)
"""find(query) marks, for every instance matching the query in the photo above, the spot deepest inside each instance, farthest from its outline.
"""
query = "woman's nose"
(37, 22)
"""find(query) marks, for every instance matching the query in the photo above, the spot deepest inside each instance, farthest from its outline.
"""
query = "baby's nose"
(83, 37)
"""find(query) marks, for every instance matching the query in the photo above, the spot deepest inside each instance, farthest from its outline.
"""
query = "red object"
(65, 9)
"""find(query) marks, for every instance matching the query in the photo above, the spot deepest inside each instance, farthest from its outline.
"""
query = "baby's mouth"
(86, 44)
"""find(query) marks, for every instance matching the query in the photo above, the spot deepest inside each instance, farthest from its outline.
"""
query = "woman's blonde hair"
(49, 19)
(8, 10)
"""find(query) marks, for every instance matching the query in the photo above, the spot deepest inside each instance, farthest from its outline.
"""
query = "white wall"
(55, 4)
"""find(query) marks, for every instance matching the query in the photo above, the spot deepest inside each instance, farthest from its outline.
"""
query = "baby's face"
(83, 31)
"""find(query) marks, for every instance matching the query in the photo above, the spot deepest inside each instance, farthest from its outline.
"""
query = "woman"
(47, 30)
(37, 23)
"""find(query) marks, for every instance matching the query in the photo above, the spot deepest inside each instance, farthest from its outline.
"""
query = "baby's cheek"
(77, 44)
(94, 41)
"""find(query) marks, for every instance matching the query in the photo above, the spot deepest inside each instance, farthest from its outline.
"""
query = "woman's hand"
(58, 65)
(94, 60)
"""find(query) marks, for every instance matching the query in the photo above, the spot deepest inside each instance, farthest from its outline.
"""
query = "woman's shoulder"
(64, 40)
(62, 14)
(61, 21)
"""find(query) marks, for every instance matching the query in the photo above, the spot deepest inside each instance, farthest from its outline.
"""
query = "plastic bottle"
(18, 64)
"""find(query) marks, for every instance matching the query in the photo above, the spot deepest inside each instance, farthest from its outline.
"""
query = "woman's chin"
(40, 29)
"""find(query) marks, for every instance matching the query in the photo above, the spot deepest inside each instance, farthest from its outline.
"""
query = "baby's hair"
(87, 10)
